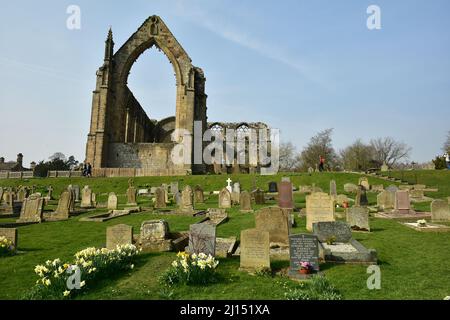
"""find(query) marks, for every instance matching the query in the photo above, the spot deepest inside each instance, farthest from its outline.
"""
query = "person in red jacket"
(321, 163)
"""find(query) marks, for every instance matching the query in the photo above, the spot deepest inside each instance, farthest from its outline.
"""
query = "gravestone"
(177, 197)
(1, 194)
(416, 194)
(361, 197)
(21, 194)
(392, 188)
(229, 187)
(285, 195)
(254, 249)
(440, 210)
(202, 238)
(32, 209)
(386, 200)
(187, 200)
(333, 191)
(50, 193)
(273, 187)
(246, 202)
(224, 199)
(402, 202)
(305, 189)
(235, 195)
(358, 218)
(131, 194)
(62, 212)
(160, 198)
(350, 188)
(198, 195)
(275, 221)
(10, 234)
(384, 167)
(76, 189)
(419, 187)
(217, 216)
(319, 207)
(337, 229)
(303, 248)
(377, 188)
(153, 230)
(118, 235)
(86, 197)
(260, 198)
(363, 181)
(112, 201)
(174, 187)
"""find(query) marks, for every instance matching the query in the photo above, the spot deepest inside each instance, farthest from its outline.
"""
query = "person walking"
(88, 170)
(321, 163)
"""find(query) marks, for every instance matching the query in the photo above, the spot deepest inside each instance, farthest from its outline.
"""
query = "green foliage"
(57, 162)
(318, 288)
(319, 145)
(440, 163)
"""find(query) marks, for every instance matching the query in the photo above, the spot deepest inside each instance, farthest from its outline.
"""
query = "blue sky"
(300, 66)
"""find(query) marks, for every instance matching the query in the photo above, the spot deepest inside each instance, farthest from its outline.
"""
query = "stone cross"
(229, 181)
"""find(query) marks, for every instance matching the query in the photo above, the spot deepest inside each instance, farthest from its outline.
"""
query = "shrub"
(7, 248)
(190, 270)
(93, 264)
(319, 288)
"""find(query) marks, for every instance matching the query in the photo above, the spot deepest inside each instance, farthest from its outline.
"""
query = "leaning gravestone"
(202, 238)
(337, 229)
(259, 197)
(160, 198)
(303, 248)
(440, 211)
(319, 207)
(118, 235)
(32, 209)
(112, 201)
(246, 202)
(358, 218)
(386, 200)
(273, 187)
(285, 195)
(86, 197)
(275, 221)
(224, 199)
(62, 212)
(10, 234)
(174, 187)
(333, 191)
(254, 250)
(198, 195)
(187, 200)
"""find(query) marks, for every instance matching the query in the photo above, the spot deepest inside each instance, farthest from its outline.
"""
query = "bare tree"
(58, 155)
(288, 162)
(446, 147)
(319, 145)
(389, 151)
(358, 156)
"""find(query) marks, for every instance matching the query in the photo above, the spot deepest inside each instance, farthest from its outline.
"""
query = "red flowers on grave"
(305, 268)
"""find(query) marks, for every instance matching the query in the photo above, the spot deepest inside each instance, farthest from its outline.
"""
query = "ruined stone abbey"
(123, 140)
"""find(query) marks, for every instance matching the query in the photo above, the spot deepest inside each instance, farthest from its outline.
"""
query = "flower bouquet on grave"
(422, 223)
(305, 268)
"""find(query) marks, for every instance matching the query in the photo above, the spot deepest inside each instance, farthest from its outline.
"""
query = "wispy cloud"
(273, 51)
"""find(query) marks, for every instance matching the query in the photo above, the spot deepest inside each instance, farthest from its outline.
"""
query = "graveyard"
(412, 263)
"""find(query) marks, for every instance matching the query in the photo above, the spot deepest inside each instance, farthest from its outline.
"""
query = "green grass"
(413, 264)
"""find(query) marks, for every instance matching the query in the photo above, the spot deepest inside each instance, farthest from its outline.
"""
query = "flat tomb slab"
(225, 247)
(352, 252)
(403, 216)
(430, 227)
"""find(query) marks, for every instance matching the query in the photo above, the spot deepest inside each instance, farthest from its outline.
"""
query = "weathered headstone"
(285, 195)
(402, 202)
(358, 218)
(64, 205)
(32, 209)
(377, 188)
(187, 200)
(275, 221)
(174, 187)
(246, 202)
(254, 248)
(21, 194)
(384, 167)
(76, 189)
(333, 191)
(10, 234)
(361, 197)
(386, 200)
(50, 193)
(416, 194)
(86, 197)
(154, 230)
(350, 188)
(198, 195)
(392, 188)
(202, 238)
(273, 187)
(224, 199)
(440, 210)
(259, 197)
(160, 198)
(319, 207)
(131, 194)
(235, 195)
(112, 201)
(338, 230)
(303, 248)
(363, 181)
(118, 235)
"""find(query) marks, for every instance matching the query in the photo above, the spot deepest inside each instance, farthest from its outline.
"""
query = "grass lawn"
(414, 265)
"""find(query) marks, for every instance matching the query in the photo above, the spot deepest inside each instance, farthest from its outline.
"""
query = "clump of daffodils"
(191, 269)
(59, 280)
(7, 248)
